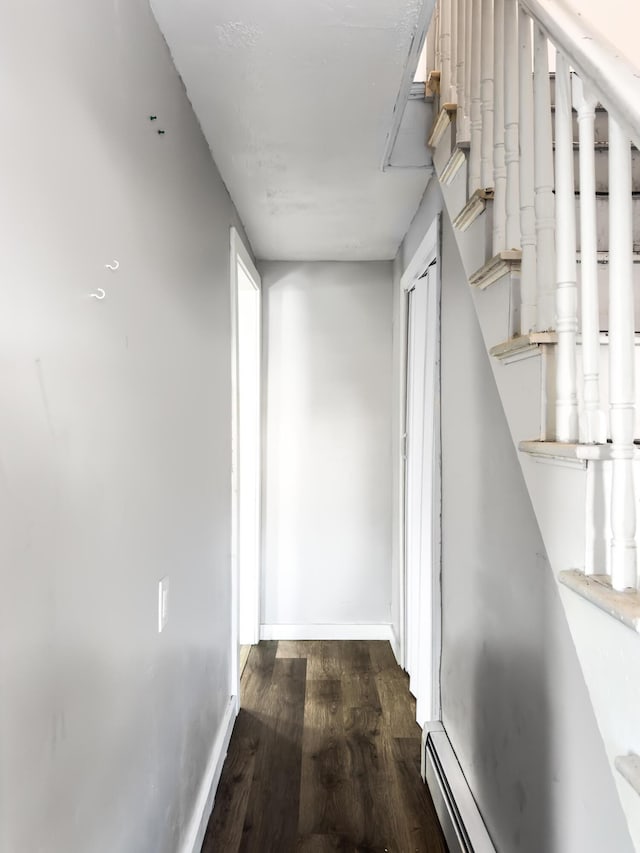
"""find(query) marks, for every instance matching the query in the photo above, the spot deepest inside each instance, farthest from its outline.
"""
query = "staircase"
(534, 142)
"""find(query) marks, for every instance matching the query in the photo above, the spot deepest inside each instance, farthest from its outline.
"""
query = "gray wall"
(515, 705)
(327, 509)
(114, 435)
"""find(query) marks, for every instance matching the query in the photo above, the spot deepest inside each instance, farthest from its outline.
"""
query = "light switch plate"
(163, 603)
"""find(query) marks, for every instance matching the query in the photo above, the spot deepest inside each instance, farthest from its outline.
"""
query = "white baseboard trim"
(461, 821)
(208, 787)
(382, 631)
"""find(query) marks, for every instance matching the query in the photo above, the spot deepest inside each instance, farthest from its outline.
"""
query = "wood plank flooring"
(324, 756)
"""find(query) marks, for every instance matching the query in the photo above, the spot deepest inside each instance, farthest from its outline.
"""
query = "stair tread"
(572, 450)
(597, 589)
(629, 767)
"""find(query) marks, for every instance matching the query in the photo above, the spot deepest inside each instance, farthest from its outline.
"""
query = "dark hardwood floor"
(324, 756)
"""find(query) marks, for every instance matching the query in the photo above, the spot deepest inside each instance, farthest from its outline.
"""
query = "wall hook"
(100, 295)
(113, 266)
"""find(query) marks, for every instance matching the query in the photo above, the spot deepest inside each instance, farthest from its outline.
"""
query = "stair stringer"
(608, 652)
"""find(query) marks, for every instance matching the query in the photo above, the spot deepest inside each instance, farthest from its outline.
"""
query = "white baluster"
(453, 96)
(460, 57)
(485, 37)
(468, 41)
(566, 287)
(430, 47)
(590, 534)
(499, 165)
(445, 49)
(593, 427)
(437, 62)
(511, 140)
(476, 102)
(543, 175)
(528, 315)
(621, 360)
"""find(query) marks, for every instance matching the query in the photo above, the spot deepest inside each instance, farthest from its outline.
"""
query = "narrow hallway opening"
(325, 755)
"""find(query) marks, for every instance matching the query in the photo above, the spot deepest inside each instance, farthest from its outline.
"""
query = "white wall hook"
(113, 266)
(100, 295)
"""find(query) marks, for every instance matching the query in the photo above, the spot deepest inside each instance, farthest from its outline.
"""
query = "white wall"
(114, 435)
(327, 510)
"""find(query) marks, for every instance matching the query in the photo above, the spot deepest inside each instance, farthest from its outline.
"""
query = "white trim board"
(459, 817)
(240, 259)
(377, 631)
(395, 645)
(206, 795)
(426, 252)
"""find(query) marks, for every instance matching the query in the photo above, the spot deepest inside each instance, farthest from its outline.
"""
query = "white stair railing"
(495, 67)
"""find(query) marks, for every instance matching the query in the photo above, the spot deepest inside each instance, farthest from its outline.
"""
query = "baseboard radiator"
(461, 822)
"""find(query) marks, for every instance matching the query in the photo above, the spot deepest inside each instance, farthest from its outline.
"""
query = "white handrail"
(611, 76)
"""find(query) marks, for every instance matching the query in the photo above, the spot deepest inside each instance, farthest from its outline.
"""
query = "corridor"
(325, 756)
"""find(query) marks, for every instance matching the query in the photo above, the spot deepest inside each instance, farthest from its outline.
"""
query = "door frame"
(239, 256)
(429, 703)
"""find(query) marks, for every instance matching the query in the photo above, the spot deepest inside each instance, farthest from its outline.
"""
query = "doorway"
(246, 451)
(422, 535)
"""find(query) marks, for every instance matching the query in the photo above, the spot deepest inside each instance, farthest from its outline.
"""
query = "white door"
(422, 514)
(246, 450)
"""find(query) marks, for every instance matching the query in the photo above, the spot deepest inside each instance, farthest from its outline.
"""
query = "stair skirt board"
(457, 811)
(206, 795)
(378, 631)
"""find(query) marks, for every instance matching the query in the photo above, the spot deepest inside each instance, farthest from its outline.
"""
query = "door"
(422, 513)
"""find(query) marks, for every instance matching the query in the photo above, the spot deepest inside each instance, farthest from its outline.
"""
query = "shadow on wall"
(511, 748)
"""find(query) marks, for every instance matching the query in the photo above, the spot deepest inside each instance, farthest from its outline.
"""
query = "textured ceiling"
(296, 98)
